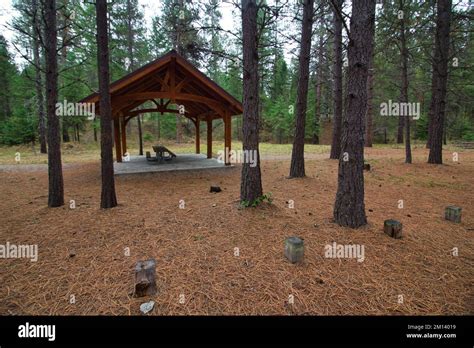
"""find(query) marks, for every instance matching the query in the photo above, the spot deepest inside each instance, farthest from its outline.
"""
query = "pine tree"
(404, 76)
(56, 185)
(36, 29)
(251, 180)
(297, 156)
(349, 207)
(7, 68)
(337, 76)
(108, 198)
(440, 78)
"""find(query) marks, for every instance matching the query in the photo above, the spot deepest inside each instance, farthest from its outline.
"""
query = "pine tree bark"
(434, 84)
(158, 125)
(401, 119)
(108, 198)
(349, 207)
(78, 134)
(297, 155)
(55, 172)
(370, 110)
(370, 95)
(317, 109)
(38, 79)
(179, 129)
(401, 126)
(178, 45)
(65, 122)
(337, 74)
(318, 85)
(440, 73)
(65, 131)
(251, 180)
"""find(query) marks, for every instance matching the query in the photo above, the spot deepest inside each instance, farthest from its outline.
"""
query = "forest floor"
(83, 251)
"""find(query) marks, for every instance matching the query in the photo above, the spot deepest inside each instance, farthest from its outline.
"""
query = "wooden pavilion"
(165, 81)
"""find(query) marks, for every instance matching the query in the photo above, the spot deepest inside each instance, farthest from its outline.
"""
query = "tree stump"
(367, 166)
(393, 228)
(145, 274)
(216, 189)
(294, 249)
(453, 213)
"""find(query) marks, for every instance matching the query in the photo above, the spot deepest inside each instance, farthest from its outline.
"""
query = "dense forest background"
(193, 29)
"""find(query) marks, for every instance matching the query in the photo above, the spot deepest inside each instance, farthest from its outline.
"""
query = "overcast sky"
(150, 9)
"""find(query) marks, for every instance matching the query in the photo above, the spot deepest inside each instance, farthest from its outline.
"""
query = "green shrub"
(147, 137)
(255, 203)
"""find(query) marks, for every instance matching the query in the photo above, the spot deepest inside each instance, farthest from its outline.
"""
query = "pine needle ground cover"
(214, 258)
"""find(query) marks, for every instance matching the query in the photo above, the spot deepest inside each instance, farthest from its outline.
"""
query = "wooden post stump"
(367, 166)
(453, 213)
(393, 228)
(294, 249)
(216, 189)
(145, 282)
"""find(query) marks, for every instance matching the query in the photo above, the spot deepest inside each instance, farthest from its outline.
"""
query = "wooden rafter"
(172, 79)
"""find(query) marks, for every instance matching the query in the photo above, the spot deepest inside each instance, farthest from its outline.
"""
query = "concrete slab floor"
(139, 164)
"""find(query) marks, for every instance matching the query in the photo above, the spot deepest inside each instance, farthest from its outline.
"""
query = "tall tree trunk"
(78, 133)
(297, 155)
(251, 179)
(65, 131)
(401, 120)
(130, 40)
(108, 198)
(317, 108)
(370, 97)
(440, 72)
(401, 126)
(179, 129)
(159, 128)
(38, 79)
(179, 47)
(404, 80)
(55, 171)
(319, 83)
(349, 207)
(434, 84)
(370, 93)
(337, 74)
(66, 124)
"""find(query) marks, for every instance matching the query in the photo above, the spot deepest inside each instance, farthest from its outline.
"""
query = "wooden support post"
(393, 228)
(198, 140)
(227, 137)
(145, 278)
(209, 138)
(172, 75)
(453, 213)
(118, 145)
(294, 249)
(124, 134)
